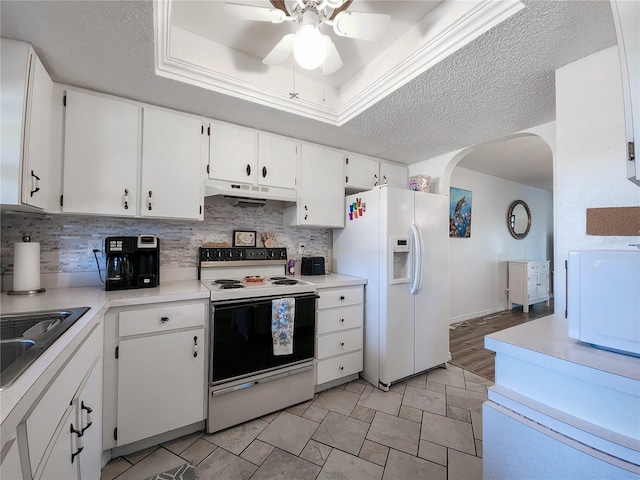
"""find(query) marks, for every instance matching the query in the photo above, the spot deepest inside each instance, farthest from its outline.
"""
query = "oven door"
(241, 338)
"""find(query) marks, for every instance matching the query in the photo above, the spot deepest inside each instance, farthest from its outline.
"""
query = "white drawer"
(543, 267)
(338, 297)
(338, 319)
(337, 343)
(338, 367)
(171, 316)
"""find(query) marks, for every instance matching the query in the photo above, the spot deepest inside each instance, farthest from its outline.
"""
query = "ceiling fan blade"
(364, 26)
(259, 14)
(332, 62)
(281, 51)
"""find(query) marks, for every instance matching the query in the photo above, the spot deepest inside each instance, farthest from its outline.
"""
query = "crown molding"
(186, 57)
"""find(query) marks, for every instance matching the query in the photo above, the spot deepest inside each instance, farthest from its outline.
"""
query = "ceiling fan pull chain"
(293, 94)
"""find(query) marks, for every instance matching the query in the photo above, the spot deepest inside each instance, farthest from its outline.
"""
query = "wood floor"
(466, 342)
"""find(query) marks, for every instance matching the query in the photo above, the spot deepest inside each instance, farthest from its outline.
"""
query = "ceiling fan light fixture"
(309, 48)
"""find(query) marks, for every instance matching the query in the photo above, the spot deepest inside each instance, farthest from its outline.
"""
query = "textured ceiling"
(500, 83)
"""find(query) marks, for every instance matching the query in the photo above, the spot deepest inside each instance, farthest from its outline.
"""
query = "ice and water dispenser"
(399, 261)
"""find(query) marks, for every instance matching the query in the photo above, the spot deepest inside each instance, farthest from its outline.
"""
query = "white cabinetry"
(247, 162)
(528, 283)
(320, 200)
(154, 370)
(10, 463)
(339, 337)
(361, 173)
(393, 175)
(100, 155)
(27, 96)
(102, 160)
(364, 173)
(62, 433)
(171, 165)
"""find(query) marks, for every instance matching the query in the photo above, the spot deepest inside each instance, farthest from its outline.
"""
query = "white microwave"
(603, 299)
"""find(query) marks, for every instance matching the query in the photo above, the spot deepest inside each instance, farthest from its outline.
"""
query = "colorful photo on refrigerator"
(459, 213)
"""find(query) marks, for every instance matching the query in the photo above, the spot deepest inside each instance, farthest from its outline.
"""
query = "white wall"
(478, 265)
(590, 162)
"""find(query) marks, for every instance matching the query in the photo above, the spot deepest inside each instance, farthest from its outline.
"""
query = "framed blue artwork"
(459, 213)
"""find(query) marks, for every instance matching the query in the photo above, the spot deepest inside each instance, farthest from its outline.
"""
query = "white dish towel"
(282, 317)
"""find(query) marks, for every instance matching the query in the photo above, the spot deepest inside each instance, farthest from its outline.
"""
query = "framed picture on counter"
(244, 238)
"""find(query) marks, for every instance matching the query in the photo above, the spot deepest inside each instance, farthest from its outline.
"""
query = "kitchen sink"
(25, 336)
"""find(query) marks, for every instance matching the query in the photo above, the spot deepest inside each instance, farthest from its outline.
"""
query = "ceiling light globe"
(309, 49)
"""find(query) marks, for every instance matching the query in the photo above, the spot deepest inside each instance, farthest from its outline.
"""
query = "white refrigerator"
(398, 240)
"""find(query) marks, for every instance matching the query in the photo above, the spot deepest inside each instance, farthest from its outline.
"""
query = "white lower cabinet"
(339, 334)
(528, 283)
(61, 436)
(154, 370)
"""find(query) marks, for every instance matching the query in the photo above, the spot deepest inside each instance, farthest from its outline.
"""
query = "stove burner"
(224, 281)
(285, 281)
(273, 279)
(229, 286)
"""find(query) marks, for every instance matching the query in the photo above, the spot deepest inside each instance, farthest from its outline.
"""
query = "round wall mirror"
(519, 219)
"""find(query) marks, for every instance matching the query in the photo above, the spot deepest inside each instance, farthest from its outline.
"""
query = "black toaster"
(312, 266)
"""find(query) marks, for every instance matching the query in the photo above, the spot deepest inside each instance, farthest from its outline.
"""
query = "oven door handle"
(257, 300)
(253, 383)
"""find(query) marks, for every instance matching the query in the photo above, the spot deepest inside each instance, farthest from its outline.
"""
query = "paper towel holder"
(26, 239)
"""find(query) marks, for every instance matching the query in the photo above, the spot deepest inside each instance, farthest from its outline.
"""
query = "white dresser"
(528, 283)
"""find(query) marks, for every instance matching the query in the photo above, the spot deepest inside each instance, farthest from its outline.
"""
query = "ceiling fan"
(311, 49)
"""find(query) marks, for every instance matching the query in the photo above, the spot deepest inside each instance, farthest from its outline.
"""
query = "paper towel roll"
(26, 266)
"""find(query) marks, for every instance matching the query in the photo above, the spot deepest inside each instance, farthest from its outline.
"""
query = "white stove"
(243, 273)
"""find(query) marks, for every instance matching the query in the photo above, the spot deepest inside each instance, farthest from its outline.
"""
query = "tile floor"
(429, 426)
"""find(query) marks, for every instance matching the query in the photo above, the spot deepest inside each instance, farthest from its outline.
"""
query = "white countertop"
(333, 280)
(549, 336)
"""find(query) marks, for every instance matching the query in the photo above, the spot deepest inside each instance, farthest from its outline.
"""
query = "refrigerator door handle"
(416, 270)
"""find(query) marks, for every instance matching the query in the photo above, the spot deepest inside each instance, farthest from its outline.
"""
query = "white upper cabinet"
(108, 157)
(361, 173)
(245, 162)
(320, 200)
(364, 173)
(171, 165)
(393, 175)
(27, 96)
(100, 155)
(233, 153)
(277, 161)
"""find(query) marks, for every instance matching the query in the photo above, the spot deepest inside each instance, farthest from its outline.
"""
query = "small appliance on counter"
(132, 262)
(312, 266)
(603, 299)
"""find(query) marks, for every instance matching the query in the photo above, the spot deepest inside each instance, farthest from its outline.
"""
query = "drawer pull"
(195, 346)
(342, 320)
(341, 367)
(341, 297)
(342, 344)
(164, 319)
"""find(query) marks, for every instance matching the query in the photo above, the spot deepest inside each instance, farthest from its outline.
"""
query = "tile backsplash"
(64, 239)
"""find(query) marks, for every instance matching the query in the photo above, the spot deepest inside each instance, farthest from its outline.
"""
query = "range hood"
(260, 192)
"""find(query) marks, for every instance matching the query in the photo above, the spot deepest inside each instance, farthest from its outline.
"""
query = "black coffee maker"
(132, 262)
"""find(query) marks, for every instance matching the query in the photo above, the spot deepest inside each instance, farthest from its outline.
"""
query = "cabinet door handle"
(306, 210)
(375, 180)
(126, 199)
(264, 172)
(79, 446)
(248, 169)
(342, 320)
(149, 199)
(342, 344)
(341, 367)
(195, 346)
(384, 179)
(89, 410)
(35, 183)
(164, 319)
